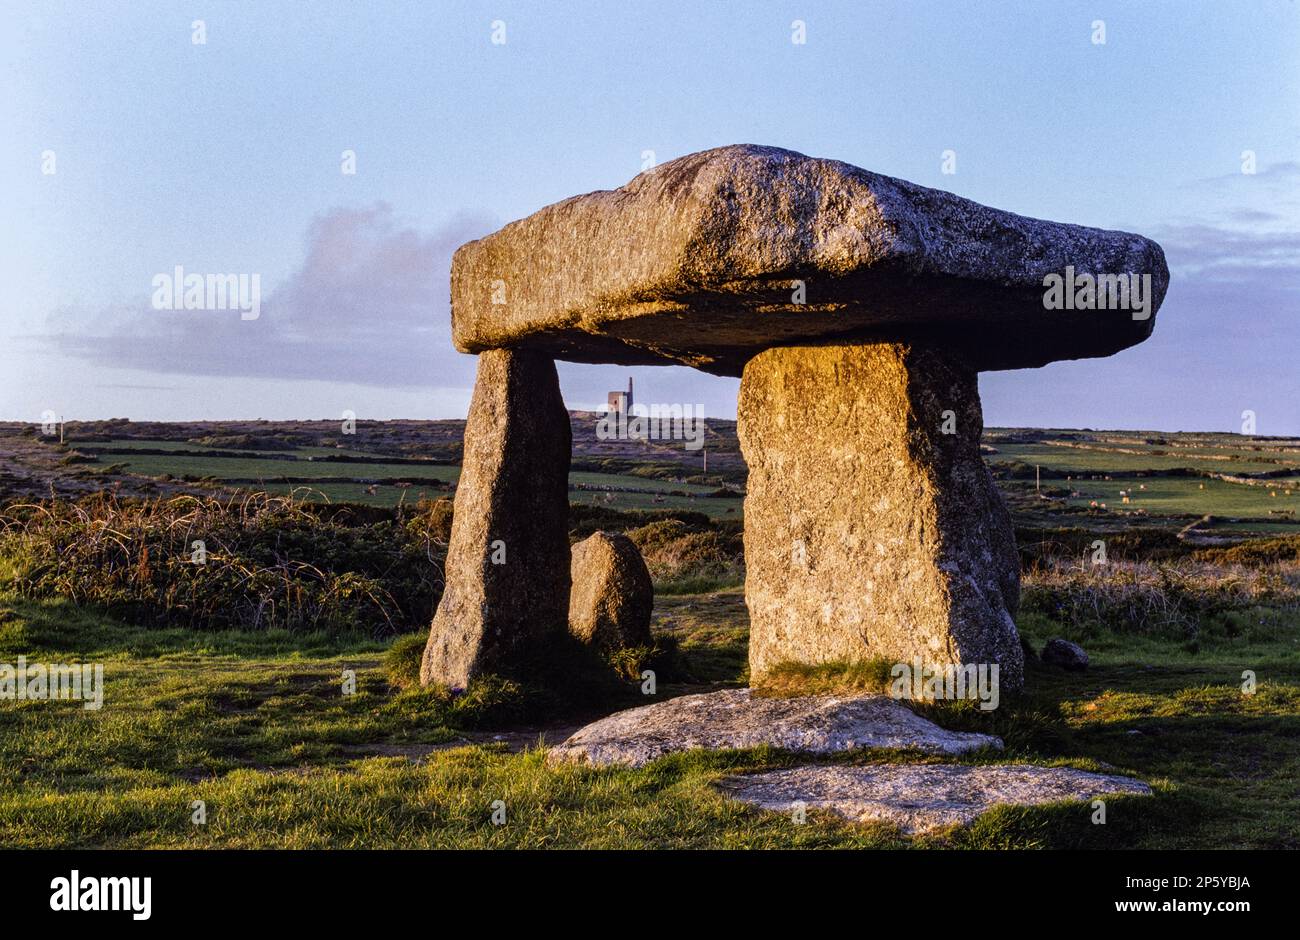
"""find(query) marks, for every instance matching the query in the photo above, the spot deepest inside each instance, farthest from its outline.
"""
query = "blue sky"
(225, 157)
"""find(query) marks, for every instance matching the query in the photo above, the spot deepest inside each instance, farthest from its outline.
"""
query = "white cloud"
(368, 305)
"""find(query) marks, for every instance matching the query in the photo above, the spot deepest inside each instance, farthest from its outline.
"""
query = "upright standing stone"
(507, 570)
(612, 596)
(872, 526)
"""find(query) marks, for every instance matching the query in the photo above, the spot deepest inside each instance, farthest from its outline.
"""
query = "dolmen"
(857, 310)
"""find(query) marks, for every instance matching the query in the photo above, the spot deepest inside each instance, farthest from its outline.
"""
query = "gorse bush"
(265, 562)
(585, 519)
(690, 557)
(1266, 551)
(1137, 543)
(278, 562)
(1175, 600)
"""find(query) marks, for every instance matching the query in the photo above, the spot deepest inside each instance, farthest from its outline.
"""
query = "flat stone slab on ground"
(734, 718)
(921, 797)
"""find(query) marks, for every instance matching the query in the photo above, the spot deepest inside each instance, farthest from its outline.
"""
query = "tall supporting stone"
(872, 526)
(507, 570)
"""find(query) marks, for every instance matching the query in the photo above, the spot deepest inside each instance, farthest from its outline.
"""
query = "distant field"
(204, 463)
(662, 494)
(644, 483)
(204, 448)
(1056, 457)
(1158, 496)
(715, 508)
(1253, 529)
(239, 468)
(386, 495)
(1176, 495)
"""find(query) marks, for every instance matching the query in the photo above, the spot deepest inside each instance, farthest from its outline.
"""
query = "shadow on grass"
(61, 627)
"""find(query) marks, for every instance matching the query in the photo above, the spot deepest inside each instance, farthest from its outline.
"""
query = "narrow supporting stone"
(872, 526)
(507, 570)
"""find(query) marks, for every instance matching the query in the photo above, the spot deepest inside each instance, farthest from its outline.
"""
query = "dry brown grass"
(267, 562)
(1171, 598)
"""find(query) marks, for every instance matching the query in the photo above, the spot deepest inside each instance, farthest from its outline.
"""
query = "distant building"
(621, 402)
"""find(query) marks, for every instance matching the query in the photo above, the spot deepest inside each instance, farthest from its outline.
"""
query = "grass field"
(1161, 496)
(1056, 457)
(238, 468)
(204, 465)
(257, 727)
(138, 444)
(384, 495)
(1191, 495)
(608, 490)
(385, 484)
(391, 495)
(715, 508)
(1252, 529)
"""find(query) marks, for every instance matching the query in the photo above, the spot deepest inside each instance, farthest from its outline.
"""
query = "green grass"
(637, 481)
(712, 632)
(1095, 460)
(1185, 495)
(660, 494)
(385, 495)
(199, 449)
(252, 468)
(714, 508)
(256, 726)
(203, 464)
(389, 495)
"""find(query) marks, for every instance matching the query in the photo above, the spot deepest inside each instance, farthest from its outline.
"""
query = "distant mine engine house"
(621, 402)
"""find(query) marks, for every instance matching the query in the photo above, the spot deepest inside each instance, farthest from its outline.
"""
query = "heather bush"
(264, 563)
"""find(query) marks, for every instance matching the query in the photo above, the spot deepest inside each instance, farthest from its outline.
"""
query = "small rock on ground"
(1065, 654)
(612, 597)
